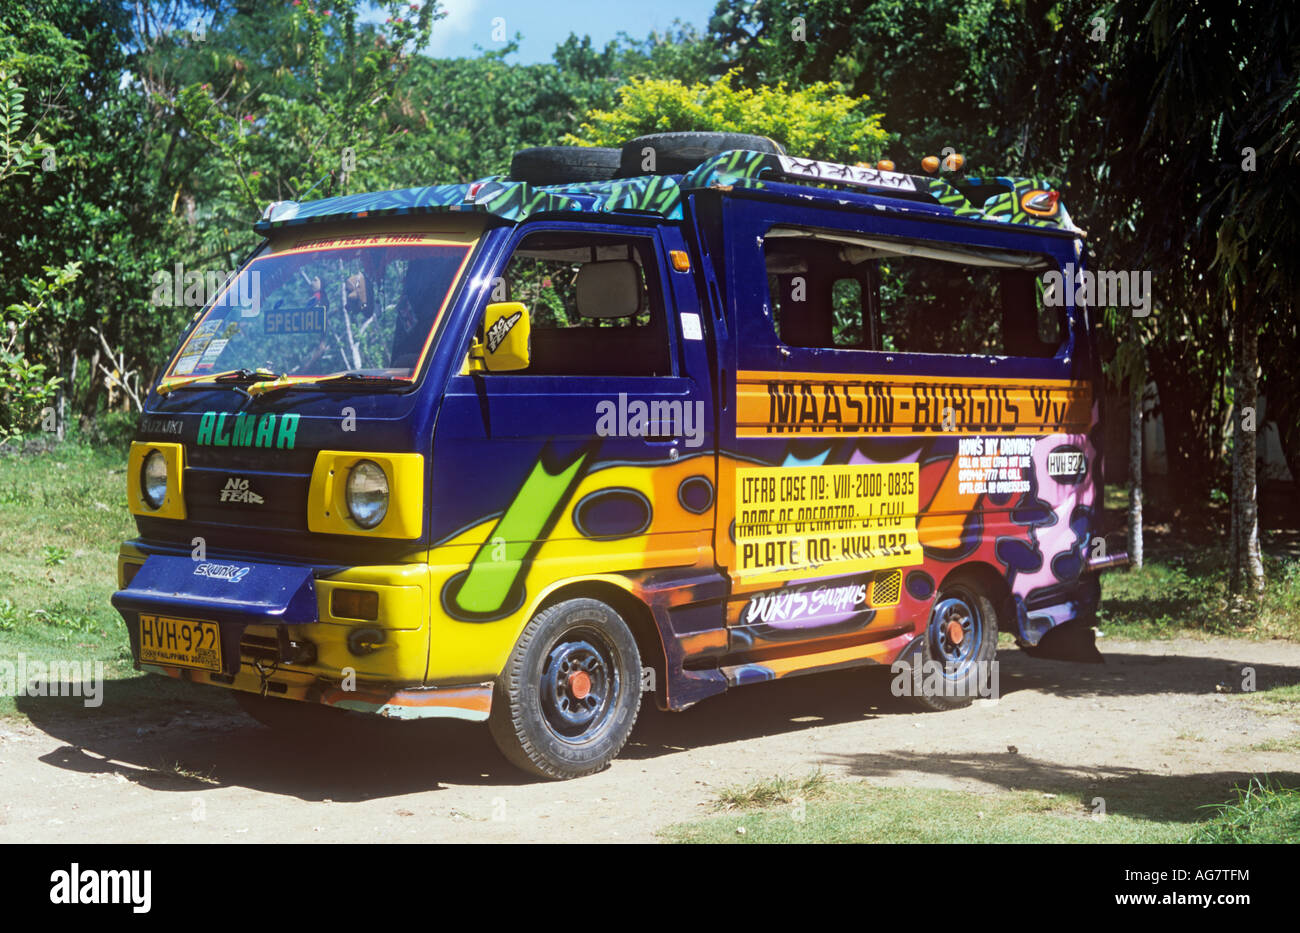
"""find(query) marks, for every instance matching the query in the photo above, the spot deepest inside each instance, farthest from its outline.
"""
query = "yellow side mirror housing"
(507, 338)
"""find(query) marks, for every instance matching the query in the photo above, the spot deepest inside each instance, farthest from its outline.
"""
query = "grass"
(63, 514)
(1183, 588)
(774, 792)
(1187, 593)
(1275, 701)
(1143, 811)
(1290, 743)
(1262, 813)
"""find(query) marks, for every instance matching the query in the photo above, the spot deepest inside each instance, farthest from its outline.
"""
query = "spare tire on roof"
(677, 153)
(563, 165)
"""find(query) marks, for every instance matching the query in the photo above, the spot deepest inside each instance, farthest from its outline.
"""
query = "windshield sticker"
(213, 351)
(185, 365)
(295, 320)
(352, 242)
(195, 346)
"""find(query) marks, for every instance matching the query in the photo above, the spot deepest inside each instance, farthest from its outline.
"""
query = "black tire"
(677, 153)
(549, 721)
(288, 716)
(563, 165)
(963, 603)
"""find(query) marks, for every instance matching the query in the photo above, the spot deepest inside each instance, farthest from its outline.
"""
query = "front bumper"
(278, 634)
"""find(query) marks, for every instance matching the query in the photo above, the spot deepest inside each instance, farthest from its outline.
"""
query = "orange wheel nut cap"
(579, 684)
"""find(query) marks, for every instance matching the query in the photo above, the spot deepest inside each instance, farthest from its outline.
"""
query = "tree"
(296, 101)
(92, 202)
(817, 121)
(24, 386)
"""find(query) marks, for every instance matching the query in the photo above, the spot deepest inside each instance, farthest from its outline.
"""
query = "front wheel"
(567, 700)
(958, 650)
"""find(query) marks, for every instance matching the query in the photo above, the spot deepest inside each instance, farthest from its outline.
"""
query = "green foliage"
(1264, 812)
(317, 121)
(1187, 592)
(16, 149)
(483, 110)
(24, 386)
(945, 74)
(817, 121)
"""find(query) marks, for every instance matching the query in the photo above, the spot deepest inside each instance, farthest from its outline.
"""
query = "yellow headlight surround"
(327, 507)
(173, 505)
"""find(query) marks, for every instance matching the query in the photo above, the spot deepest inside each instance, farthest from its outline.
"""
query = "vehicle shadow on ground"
(366, 758)
(856, 695)
(1102, 790)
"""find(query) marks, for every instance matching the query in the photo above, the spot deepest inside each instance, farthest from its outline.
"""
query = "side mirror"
(507, 338)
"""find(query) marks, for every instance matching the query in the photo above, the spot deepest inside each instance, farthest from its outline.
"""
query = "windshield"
(319, 307)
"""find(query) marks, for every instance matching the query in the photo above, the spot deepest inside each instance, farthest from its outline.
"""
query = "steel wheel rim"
(956, 655)
(579, 683)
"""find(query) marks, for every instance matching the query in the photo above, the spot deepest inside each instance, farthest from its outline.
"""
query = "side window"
(834, 290)
(935, 306)
(817, 296)
(596, 304)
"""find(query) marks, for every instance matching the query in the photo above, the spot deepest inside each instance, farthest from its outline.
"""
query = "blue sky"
(546, 23)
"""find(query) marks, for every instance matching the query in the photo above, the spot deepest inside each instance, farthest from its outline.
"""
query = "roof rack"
(1028, 201)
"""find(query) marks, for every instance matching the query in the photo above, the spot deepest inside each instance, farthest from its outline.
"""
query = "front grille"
(265, 500)
(886, 588)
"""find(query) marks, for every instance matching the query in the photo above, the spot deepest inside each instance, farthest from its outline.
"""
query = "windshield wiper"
(361, 376)
(237, 376)
(247, 375)
(355, 376)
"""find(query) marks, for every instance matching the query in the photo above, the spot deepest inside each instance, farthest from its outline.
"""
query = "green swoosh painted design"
(489, 581)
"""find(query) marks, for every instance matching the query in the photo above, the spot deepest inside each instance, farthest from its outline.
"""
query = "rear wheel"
(567, 700)
(960, 643)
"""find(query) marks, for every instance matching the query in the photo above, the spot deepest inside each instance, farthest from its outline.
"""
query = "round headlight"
(153, 479)
(367, 494)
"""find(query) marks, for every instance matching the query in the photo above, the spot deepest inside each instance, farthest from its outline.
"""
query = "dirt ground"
(1153, 712)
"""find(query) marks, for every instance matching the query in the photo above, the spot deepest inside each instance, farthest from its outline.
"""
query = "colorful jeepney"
(521, 453)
